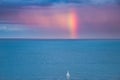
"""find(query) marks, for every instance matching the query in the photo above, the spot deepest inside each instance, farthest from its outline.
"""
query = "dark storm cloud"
(50, 2)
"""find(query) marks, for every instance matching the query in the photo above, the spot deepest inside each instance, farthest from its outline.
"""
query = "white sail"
(68, 75)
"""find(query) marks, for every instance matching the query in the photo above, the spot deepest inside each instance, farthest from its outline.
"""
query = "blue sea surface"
(51, 59)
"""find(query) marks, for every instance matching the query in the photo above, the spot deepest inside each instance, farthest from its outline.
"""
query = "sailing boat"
(68, 75)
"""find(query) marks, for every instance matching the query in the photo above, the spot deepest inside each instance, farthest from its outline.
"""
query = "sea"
(36, 59)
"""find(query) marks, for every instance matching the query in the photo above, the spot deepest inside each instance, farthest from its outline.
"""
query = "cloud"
(103, 1)
(50, 2)
(93, 22)
(12, 27)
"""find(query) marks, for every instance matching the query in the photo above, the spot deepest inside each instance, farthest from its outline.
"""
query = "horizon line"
(59, 39)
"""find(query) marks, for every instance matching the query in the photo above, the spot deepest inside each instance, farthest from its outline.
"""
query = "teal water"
(51, 59)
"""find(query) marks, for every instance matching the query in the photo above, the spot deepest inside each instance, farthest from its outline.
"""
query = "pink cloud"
(100, 20)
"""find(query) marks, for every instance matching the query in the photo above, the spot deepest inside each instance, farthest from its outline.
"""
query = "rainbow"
(72, 24)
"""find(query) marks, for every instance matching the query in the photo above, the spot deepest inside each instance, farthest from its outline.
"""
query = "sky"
(60, 19)
(3, 2)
